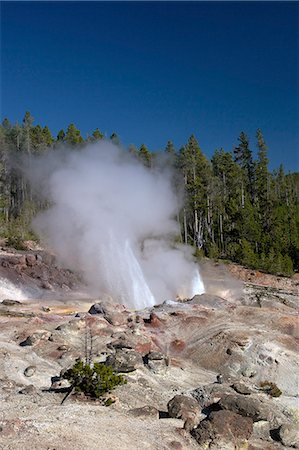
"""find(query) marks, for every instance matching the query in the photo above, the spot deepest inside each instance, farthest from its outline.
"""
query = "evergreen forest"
(233, 207)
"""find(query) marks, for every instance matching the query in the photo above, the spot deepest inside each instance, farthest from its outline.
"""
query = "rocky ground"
(194, 367)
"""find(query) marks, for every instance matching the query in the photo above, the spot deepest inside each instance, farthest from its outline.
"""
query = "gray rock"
(249, 371)
(211, 393)
(261, 430)
(30, 389)
(59, 385)
(124, 360)
(8, 302)
(155, 356)
(157, 362)
(241, 388)
(146, 412)
(30, 371)
(159, 367)
(289, 435)
(114, 314)
(246, 406)
(36, 337)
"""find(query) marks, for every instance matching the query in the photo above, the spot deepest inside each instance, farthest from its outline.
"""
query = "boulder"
(241, 388)
(225, 429)
(8, 302)
(211, 393)
(124, 360)
(31, 260)
(36, 337)
(246, 406)
(114, 314)
(261, 430)
(147, 411)
(185, 408)
(289, 435)
(157, 362)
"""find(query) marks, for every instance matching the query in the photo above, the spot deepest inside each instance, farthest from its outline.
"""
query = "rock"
(289, 435)
(122, 342)
(185, 408)
(30, 371)
(30, 260)
(219, 378)
(211, 393)
(178, 345)
(242, 388)
(8, 302)
(246, 406)
(154, 321)
(175, 445)
(60, 384)
(261, 430)
(63, 348)
(145, 411)
(110, 313)
(156, 362)
(249, 371)
(158, 367)
(47, 285)
(36, 337)
(223, 428)
(30, 389)
(155, 356)
(72, 325)
(124, 360)
(208, 300)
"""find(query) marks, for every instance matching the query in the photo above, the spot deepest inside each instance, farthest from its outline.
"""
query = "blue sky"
(153, 71)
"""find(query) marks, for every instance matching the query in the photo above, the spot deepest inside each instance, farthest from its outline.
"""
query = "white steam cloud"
(113, 220)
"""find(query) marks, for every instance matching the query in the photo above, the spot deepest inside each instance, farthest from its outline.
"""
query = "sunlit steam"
(113, 220)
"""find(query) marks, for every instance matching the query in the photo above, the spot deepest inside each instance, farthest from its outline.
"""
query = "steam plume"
(113, 220)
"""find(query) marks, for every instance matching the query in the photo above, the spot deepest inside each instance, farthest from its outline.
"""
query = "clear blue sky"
(153, 71)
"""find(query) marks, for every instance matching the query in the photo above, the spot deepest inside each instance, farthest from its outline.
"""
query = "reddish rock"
(177, 345)
(154, 321)
(184, 407)
(143, 348)
(31, 260)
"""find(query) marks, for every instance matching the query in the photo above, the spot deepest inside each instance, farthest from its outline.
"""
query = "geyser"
(113, 220)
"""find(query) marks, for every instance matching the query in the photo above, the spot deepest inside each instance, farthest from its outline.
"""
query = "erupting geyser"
(113, 219)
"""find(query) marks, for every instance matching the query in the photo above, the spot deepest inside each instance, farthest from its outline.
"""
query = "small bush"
(16, 242)
(270, 388)
(95, 380)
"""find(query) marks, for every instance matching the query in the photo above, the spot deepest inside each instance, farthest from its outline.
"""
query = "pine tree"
(145, 156)
(243, 156)
(61, 136)
(97, 135)
(73, 136)
(169, 149)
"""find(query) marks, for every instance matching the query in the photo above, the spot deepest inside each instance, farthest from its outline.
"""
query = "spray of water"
(113, 220)
(9, 291)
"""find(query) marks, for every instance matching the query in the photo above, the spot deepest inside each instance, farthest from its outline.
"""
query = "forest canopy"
(234, 208)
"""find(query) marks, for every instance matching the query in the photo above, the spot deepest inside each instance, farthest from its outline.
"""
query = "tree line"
(234, 208)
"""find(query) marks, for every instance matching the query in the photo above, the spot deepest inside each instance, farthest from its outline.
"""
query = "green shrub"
(15, 242)
(93, 380)
(270, 388)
